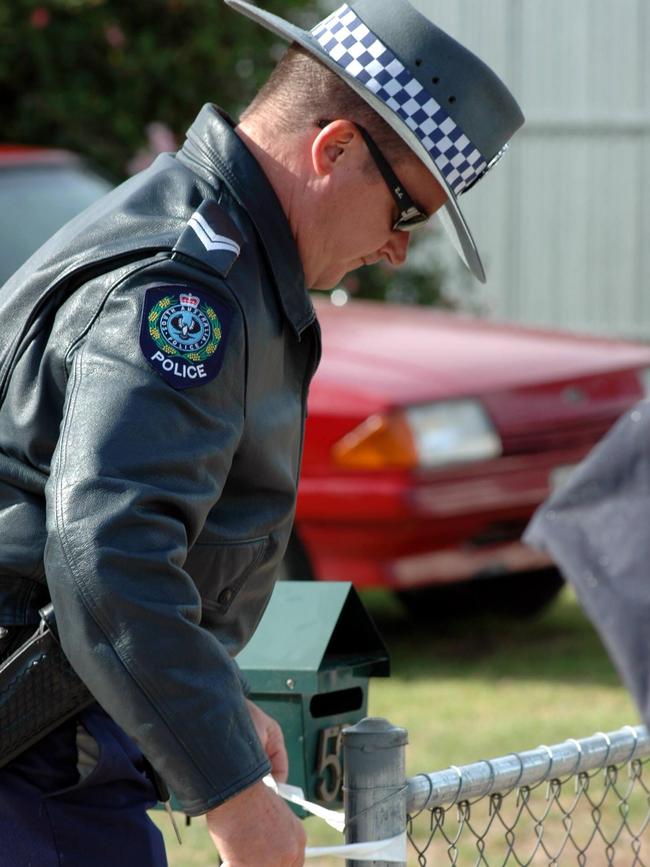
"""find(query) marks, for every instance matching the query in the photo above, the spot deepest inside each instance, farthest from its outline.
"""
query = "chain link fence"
(583, 802)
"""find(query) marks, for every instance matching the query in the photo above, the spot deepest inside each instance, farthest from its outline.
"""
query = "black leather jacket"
(152, 513)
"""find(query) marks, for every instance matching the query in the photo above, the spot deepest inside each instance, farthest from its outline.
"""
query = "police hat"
(453, 112)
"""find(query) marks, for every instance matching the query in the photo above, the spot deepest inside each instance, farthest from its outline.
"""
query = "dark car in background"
(40, 190)
(431, 437)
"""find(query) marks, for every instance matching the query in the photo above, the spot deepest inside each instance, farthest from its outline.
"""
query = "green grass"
(473, 689)
(479, 688)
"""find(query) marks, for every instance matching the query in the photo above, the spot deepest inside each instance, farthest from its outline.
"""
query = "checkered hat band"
(356, 49)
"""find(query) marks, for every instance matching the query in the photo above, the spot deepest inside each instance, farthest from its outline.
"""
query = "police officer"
(155, 358)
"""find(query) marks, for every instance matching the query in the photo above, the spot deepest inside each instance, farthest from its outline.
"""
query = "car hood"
(395, 354)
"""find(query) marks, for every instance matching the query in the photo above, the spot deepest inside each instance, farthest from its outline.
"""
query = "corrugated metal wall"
(563, 222)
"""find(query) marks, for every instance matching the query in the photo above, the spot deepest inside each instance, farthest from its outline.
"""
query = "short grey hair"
(302, 91)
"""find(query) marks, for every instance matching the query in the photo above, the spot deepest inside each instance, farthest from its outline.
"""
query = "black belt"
(11, 637)
(38, 687)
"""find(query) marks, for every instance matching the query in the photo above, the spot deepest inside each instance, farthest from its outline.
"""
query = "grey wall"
(563, 222)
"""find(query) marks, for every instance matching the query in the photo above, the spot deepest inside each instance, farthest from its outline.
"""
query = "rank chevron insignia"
(209, 238)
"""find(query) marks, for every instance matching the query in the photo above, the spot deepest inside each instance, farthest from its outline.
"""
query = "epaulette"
(211, 237)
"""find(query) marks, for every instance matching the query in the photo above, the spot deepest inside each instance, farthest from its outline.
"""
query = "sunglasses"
(410, 215)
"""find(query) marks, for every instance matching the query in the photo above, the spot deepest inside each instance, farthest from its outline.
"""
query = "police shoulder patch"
(183, 334)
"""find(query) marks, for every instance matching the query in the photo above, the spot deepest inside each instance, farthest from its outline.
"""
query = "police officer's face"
(356, 213)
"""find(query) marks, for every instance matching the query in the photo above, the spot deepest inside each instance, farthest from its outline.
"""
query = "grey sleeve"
(137, 468)
(596, 529)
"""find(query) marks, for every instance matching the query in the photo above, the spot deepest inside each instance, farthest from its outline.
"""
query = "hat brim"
(450, 214)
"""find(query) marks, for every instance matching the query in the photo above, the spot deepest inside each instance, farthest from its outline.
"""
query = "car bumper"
(402, 531)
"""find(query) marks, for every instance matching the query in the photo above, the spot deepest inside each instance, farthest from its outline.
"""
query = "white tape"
(296, 796)
(391, 849)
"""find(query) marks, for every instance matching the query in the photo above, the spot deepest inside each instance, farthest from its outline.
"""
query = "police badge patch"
(182, 335)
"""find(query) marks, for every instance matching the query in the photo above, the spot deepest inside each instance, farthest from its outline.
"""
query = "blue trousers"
(78, 798)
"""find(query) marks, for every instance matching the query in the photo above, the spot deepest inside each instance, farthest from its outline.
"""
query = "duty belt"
(38, 689)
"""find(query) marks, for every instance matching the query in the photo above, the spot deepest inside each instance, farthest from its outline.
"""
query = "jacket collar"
(214, 148)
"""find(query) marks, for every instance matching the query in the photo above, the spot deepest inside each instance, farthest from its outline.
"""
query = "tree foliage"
(99, 76)
(90, 75)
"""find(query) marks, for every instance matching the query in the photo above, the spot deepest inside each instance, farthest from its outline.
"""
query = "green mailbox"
(308, 666)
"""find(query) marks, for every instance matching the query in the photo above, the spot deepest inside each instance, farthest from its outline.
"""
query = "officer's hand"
(257, 829)
(272, 740)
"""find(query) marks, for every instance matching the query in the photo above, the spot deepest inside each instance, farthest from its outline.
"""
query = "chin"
(324, 285)
(327, 281)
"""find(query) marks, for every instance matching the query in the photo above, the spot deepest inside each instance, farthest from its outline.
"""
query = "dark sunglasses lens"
(409, 224)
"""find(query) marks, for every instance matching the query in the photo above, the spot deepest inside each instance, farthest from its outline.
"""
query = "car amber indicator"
(380, 442)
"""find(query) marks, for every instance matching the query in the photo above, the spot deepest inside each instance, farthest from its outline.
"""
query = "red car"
(431, 438)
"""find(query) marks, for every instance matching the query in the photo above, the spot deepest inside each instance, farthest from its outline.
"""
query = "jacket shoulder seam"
(79, 338)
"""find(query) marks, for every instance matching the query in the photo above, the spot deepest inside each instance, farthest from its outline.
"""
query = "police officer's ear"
(337, 141)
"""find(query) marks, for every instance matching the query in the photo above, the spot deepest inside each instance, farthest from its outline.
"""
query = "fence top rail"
(503, 774)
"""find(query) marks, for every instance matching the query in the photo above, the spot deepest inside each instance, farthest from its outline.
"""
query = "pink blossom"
(39, 18)
(160, 139)
(114, 35)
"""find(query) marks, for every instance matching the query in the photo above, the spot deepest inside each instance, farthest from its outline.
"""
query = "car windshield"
(36, 200)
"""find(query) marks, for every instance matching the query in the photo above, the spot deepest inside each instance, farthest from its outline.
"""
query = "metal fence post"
(374, 784)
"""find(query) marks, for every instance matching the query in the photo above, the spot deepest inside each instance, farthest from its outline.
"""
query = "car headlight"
(434, 435)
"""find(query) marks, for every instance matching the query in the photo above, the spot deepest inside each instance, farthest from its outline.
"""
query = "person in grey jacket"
(595, 527)
(155, 358)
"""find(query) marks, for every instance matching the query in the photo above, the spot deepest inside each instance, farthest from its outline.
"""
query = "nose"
(396, 248)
